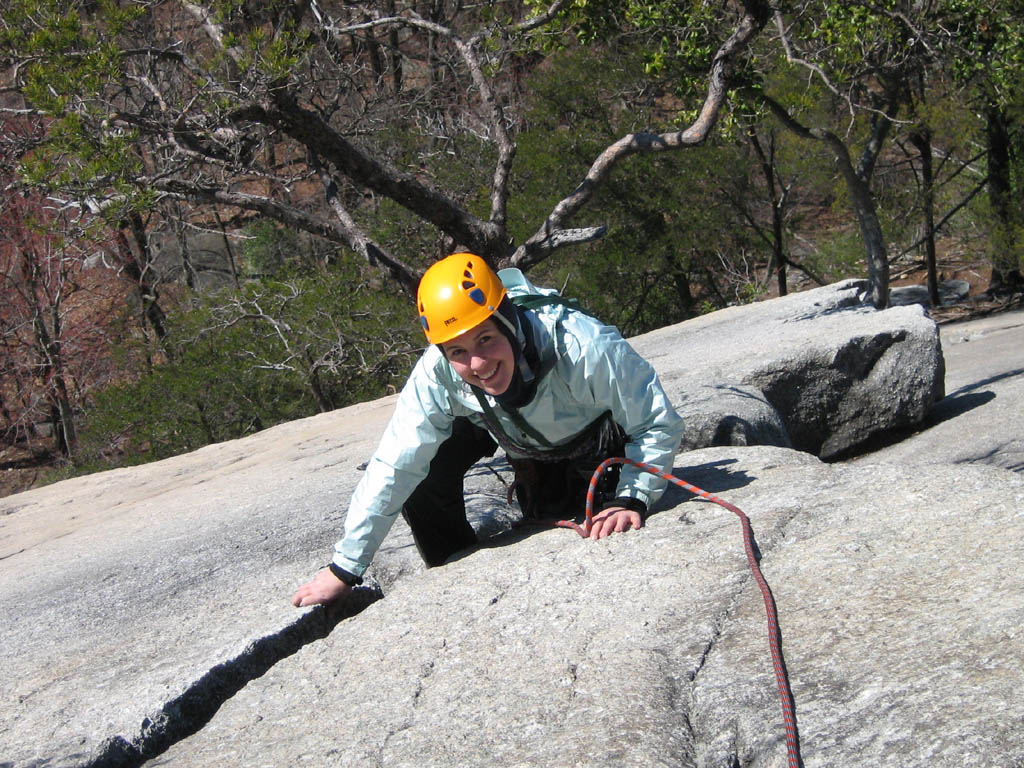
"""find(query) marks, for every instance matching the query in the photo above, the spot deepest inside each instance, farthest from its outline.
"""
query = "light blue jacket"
(592, 370)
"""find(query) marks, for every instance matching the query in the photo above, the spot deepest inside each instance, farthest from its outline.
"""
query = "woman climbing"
(514, 365)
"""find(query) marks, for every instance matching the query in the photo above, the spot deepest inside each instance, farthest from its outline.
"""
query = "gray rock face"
(900, 629)
(837, 372)
(123, 590)
(145, 619)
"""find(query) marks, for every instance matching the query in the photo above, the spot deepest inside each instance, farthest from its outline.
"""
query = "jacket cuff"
(346, 576)
(345, 564)
(626, 502)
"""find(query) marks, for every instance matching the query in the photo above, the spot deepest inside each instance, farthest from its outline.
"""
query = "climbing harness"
(774, 633)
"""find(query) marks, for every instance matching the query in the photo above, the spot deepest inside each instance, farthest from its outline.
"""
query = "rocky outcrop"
(900, 631)
(838, 373)
(145, 615)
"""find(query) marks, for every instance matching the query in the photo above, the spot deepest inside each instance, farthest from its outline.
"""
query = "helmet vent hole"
(478, 296)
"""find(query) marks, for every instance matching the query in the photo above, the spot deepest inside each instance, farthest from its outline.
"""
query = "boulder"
(981, 420)
(950, 292)
(839, 373)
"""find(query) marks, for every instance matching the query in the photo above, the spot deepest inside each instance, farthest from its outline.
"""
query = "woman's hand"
(613, 520)
(324, 588)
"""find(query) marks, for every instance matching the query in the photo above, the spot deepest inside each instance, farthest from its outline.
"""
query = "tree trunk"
(187, 267)
(64, 432)
(51, 371)
(229, 249)
(874, 240)
(141, 276)
(858, 182)
(323, 404)
(922, 140)
(777, 200)
(204, 423)
(10, 432)
(1003, 253)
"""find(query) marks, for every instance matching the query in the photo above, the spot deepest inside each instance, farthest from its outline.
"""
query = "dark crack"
(195, 707)
(718, 625)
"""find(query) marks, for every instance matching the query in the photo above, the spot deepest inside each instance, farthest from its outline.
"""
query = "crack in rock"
(772, 537)
(189, 712)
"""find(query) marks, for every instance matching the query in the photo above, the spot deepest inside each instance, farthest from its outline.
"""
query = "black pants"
(436, 510)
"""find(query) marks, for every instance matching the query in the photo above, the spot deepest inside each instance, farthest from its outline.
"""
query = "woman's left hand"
(613, 520)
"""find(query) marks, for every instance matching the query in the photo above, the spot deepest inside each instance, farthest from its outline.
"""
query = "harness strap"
(574, 447)
(525, 426)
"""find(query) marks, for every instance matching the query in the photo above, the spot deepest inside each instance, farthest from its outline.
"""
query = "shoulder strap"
(517, 419)
(535, 300)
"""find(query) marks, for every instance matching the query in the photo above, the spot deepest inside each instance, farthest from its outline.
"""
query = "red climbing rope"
(774, 633)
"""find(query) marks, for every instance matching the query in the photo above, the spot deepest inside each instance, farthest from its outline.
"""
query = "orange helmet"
(457, 293)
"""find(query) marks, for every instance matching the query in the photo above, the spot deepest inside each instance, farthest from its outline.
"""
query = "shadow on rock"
(986, 382)
(950, 407)
(712, 477)
(956, 405)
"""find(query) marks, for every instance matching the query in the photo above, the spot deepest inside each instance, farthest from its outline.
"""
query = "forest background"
(213, 216)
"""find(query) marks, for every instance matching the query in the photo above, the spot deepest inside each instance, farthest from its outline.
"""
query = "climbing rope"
(774, 633)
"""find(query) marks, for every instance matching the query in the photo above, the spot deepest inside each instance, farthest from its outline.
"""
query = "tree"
(55, 345)
(675, 243)
(241, 360)
(983, 48)
(858, 58)
(779, 191)
(263, 108)
(862, 56)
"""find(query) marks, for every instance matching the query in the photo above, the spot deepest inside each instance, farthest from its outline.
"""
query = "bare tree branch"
(359, 242)
(540, 245)
(468, 50)
(215, 31)
(310, 130)
(945, 219)
(794, 58)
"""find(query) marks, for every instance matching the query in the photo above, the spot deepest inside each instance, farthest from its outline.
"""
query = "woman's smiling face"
(483, 357)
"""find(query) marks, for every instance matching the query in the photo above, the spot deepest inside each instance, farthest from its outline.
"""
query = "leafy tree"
(861, 55)
(243, 360)
(983, 48)
(854, 53)
(264, 108)
(54, 337)
(774, 200)
(674, 242)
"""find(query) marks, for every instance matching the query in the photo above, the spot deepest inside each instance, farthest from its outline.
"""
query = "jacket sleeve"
(421, 422)
(607, 370)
